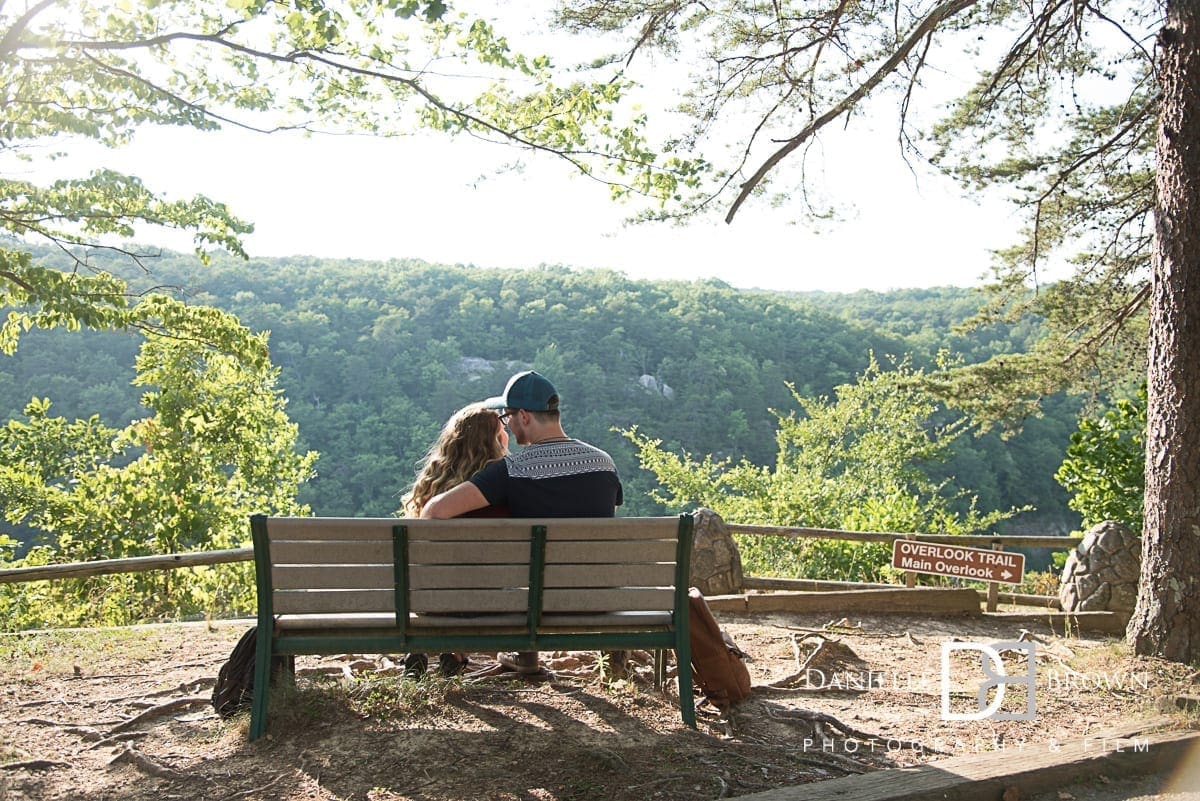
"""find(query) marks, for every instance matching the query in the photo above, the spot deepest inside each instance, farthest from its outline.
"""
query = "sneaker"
(520, 661)
(453, 664)
(415, 665)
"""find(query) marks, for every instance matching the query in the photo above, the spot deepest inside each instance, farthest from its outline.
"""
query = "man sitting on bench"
(553, 475)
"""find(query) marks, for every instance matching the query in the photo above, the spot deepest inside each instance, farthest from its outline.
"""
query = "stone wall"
(1101, 574)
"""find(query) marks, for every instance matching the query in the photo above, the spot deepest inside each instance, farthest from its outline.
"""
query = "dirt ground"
(869, 698)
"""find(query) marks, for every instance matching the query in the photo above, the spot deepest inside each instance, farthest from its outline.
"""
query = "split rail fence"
(993, 597)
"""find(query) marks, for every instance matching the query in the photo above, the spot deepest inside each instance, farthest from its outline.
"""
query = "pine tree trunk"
(1166, 621)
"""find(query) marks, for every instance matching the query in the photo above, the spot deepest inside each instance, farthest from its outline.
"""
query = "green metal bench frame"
(533, 636)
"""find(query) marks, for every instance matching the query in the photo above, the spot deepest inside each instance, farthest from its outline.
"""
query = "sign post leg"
(993, 596)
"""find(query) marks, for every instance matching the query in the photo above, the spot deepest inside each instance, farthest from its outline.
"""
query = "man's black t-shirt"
(566, 478)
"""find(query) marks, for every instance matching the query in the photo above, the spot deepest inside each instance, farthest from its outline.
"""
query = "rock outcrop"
(1101, 574)
(716, 563)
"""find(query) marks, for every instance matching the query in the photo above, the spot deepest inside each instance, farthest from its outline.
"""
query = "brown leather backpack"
(717, 666)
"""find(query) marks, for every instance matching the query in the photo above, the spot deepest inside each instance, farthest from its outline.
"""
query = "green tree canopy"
(217, 447)
(1105, 468)
(856, 463)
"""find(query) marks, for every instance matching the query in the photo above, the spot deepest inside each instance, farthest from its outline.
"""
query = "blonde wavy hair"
(469, 440)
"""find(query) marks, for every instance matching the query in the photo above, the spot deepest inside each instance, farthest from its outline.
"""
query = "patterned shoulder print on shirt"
(556, 459)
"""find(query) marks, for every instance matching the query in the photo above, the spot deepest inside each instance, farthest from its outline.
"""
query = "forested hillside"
(375, 356)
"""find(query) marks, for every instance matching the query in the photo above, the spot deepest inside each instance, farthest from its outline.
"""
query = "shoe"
(520, 661)
(453, 664)
(415, 665)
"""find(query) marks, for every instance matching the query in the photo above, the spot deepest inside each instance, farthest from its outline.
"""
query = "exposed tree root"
(116, 738)
(256, 790)
(35, 764)
(816, 720)
(86, 732)
(145, 764)
(803, 666)
(195, 685)
(160, 710)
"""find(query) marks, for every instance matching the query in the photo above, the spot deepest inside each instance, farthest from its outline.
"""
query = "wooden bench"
(342, 585)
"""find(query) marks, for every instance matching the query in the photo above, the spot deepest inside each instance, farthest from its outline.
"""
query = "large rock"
(716, 563)
(1101, 574)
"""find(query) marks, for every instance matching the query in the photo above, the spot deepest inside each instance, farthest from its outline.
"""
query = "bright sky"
(445, 201)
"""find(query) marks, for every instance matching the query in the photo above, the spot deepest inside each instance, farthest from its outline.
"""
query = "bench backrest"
(408, 567)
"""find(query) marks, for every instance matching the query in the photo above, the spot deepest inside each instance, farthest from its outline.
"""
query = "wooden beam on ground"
(818, 585)
(1034, 768)
(1065, 623)
(133, 564)
(924, 600)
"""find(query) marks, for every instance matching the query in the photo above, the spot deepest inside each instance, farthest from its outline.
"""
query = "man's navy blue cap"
(529, 391)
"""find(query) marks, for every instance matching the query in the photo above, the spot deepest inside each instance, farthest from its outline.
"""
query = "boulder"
(1102, 573)
(716, 563)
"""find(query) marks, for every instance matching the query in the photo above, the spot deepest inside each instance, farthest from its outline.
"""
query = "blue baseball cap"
(529, 391)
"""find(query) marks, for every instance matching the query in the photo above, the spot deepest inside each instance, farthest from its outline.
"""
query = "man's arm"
(464, 498)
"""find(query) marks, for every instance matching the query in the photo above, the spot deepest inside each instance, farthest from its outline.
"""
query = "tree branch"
(464, 117)
(925, 28)
(8, 43)
(1113, 325)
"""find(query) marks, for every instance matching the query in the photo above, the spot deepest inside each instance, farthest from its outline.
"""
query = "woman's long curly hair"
(469, 440)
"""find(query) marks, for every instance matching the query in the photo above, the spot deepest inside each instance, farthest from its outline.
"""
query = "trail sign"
(981, 564)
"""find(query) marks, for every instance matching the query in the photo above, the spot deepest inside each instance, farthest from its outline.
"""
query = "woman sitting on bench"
(470, 439)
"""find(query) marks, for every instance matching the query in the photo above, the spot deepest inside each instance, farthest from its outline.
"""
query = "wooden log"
(817, 585)
(133, 564)
(1067, 622)
(924, 600)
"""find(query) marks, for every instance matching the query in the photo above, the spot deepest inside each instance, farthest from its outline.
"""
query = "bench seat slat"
(337, 620)
(621, 599)
(612, 528)
(632, 621)
(571, 552)
(502, 621)
(430, 577)
(338, 529)
(332, 577)
(642, 575)
(425, 577)
(422, 552)
(353, 552)
(502, 600)
(476, 529)
(378, 620)
(298, 602)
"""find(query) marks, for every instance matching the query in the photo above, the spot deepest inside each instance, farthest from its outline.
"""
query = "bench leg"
(687, 702)
(687, 699)
(660, 668)
(262, 685)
